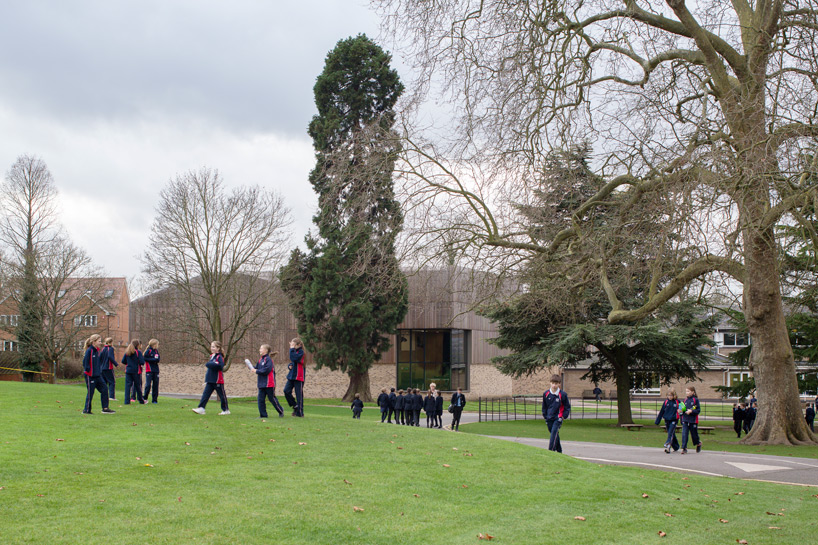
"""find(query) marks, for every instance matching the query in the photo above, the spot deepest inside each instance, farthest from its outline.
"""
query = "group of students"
(406, 407)
(744, 416)
(687, 412)
(98, 364)
(265, 371)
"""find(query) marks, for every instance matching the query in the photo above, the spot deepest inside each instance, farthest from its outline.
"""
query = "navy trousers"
(458, 411)
(671, 434)
(263, 395)
(417, 418)
(151, 385)
(693, 429)
(297, 402)
(554, 430)
(208, 391)
(132, 383)
(109, 380)
(93, 383)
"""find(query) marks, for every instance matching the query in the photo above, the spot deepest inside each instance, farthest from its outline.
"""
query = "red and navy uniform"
(107, 361)
(295, 381)
(133, 383)
(670, 412)
(151, 374)
(690, 422)
(214, 380)
(266, 372)
(91, 369)
(555, 408)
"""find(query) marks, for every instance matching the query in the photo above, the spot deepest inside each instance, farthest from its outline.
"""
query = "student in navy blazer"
(670, 412)
(690, 420)
(133, 362)
(555, 408)
(392, 399)
(295, 378)
(107, 361)
(439, 409)
(91, 370)
(458, 402)
(266, 371)
(152, 370)
(417, 406)
(214, 380)
(400, 401)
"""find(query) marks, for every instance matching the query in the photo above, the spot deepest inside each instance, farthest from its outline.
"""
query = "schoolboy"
(417, 406)
(739, 416)
(555, 408)
(383, 403)
(439, 410)
(810, 416)
(429, 407)
(399, 404)
(357, 406)
(392, 400)
(458, 402)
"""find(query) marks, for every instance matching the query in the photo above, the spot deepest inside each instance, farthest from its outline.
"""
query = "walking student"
(439, 410)
(132, 360)
(690, 420)
(458, 402)
(810, 416)
(417, 405)
(214, 380)
(670, 412)
(107, 362)
(555, 408)
(295, 378)
(383, 404)
(266, 371)
(357, 406)
(399, 405)
(91, 370)
(429, 408)
(152, 371)
(392, 413)
(739, 417)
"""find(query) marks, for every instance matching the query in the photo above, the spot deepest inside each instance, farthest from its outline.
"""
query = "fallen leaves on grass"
(446, 465)
(272, 440)
(187, 444)
(148, 465)
(485, 536)
(579, 518)
(668, 515)
(301, 443)
(645, 496)
(741, 541)
(60, 439)
(179, 498)
(464, 486)
(416, 495)
(347, 482)
(468, 454)
(661, 533)
(138, 457)
(724, 521)
(774, 527)
(357, 509)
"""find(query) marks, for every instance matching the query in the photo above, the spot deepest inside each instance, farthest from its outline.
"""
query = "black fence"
(495, 409)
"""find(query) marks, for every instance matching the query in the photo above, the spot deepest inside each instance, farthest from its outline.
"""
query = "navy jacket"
(669, 411)
(357, 405)
(296, 365)
(383, 401)
(691, 404)
(429, 404)
(439, 405)
(266, 372)
(750, 414)
(215, 366)
(462, 400)
(107, 358)
(133, 363)
(417, 402)
(810, 415)
(739, 414)
(151, 360)
(555, 406)
(399, 402)
(90, 362)
(392, 399)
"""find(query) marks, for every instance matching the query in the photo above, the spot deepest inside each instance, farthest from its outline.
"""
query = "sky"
(119, 97)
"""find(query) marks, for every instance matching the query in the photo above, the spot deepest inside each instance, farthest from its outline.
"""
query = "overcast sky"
(119, 96)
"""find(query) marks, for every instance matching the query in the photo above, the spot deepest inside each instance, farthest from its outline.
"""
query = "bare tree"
(217, 252)
(703, 115)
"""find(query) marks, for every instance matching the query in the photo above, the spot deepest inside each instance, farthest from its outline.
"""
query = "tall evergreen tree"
(347, 292)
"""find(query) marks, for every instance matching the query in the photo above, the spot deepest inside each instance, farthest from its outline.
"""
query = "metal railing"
(497, 409)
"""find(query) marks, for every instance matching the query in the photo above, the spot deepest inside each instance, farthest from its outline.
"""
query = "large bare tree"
(703, 115)
(217, 252)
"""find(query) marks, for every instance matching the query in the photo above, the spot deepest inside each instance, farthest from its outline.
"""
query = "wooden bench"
(588, 394)
(631, 427)
(704, 429)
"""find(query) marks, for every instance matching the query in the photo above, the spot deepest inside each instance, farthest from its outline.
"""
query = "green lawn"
(154, 474)
(606, 431)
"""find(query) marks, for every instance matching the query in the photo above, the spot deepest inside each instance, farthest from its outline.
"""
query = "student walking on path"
(458, 402)
(670, 412)
(690, 420)
(555, 408)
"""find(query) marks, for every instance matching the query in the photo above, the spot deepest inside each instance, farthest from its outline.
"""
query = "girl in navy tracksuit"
(133, 362)
(91, 369)
(107, 361)
(295, 378)
(152, 370)
(670, 412)
(357, 406)
(214, 380)
(266, 372)
(690, 420)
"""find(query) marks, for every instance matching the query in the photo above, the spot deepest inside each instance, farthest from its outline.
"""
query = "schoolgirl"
(107, 362)
(429, 408)
(439, 410)
(91, 370)
(133, 362)
(214, 380)
(690, 420)
(295, 378)
(152, 370)
(266, 372)
(670, 412)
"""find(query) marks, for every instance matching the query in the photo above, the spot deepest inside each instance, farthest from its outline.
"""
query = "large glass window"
(432, 355)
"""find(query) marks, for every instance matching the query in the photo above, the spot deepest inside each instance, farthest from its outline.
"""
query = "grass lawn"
(606, 431)
(154, 474)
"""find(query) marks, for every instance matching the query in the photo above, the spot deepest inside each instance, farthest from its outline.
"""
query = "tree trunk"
(358, 384)
(780, 420)
(623, 393)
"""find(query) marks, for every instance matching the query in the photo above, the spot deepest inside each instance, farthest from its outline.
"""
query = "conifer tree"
(347, 292)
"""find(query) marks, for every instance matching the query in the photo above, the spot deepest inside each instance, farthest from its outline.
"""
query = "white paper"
(249, 365)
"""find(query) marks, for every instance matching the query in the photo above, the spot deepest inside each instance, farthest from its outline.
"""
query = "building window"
(649, 384)
(9, 319)
(432, 355)
(736, 377)
(85, 321)
(736, 339)
(11, 346)
(109, 293)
